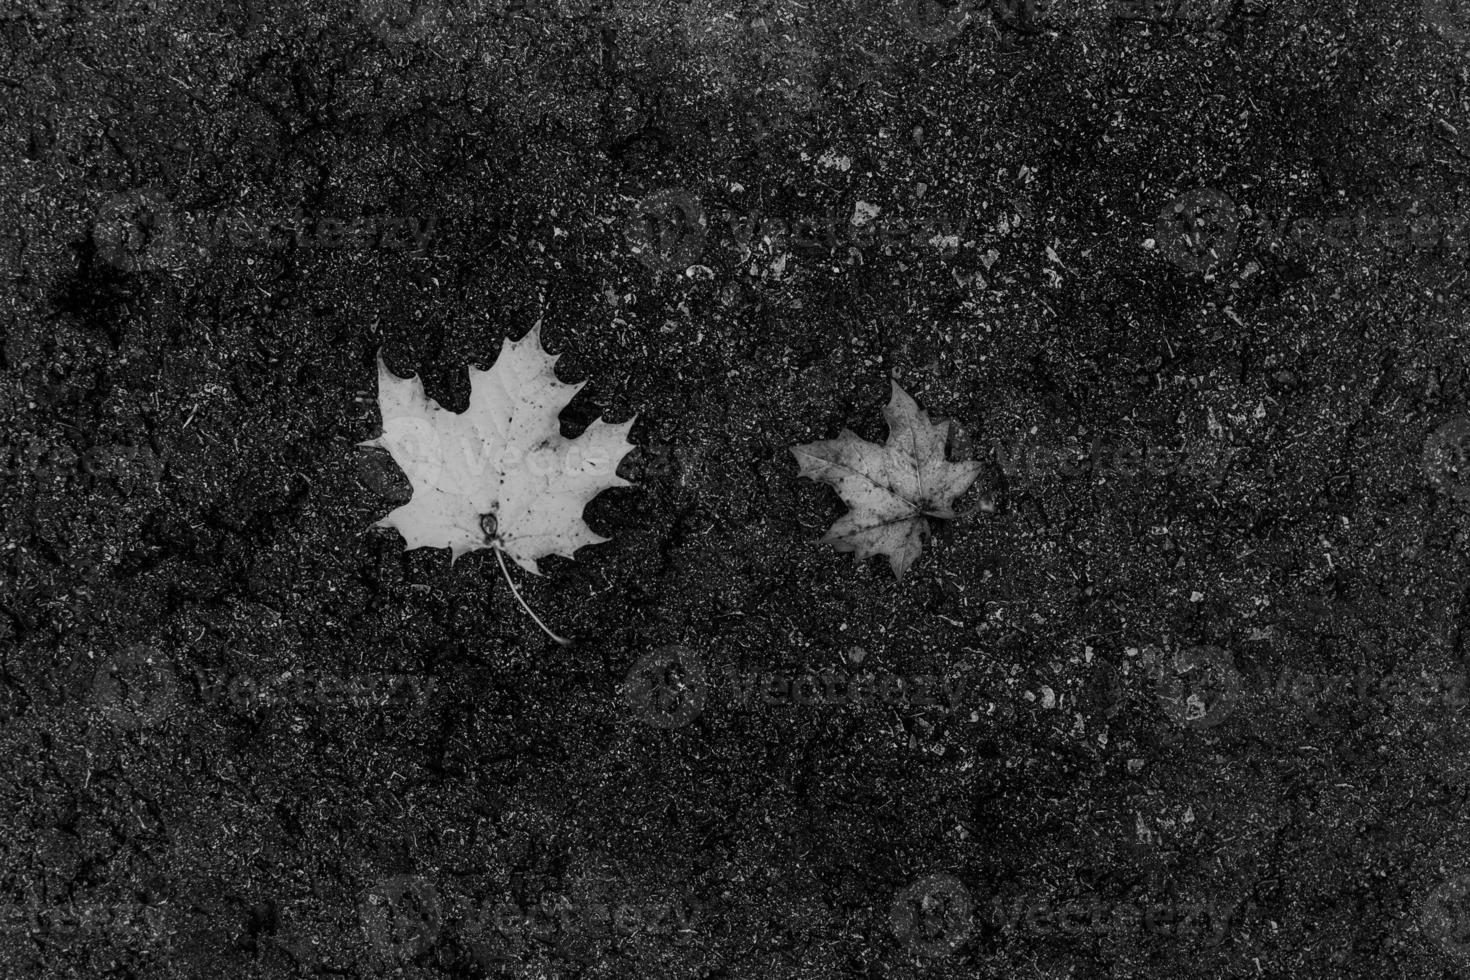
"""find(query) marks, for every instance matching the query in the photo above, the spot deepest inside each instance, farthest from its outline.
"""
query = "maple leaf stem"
(500, 557)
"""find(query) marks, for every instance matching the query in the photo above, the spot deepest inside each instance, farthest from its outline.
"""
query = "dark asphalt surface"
(247, 735)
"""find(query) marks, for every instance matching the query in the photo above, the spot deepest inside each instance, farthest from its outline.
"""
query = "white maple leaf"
(499, 475)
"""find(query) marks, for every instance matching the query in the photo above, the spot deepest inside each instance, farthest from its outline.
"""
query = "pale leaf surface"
(503, 458)
(892, 489)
